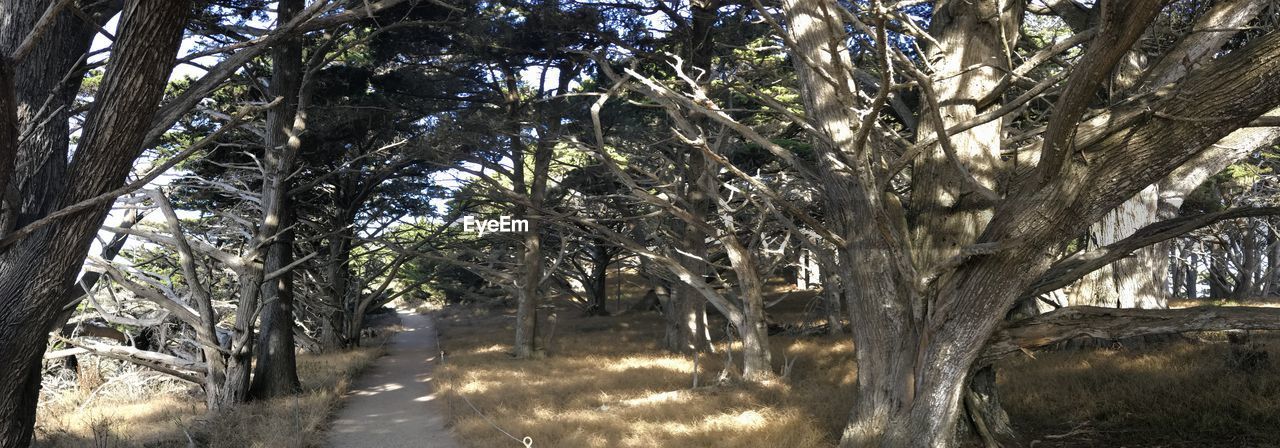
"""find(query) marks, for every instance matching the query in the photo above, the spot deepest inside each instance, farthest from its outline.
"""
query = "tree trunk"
(526, 345)
(35, 272)
(276, 371)
(1243, 288)
(597, 280)
(1219, 275)
(690, 315)
(38, 168)
(1273, 267)
(333, 331)
(1192, 276)
(986, 415)
(927, 302)
(1136, 281)
(757, 362)
(833, 295)
(950, 215)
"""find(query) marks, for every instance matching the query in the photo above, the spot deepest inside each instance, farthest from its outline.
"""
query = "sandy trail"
(394, 403)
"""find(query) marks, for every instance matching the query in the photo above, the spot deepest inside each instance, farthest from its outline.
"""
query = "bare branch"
(1073, 268)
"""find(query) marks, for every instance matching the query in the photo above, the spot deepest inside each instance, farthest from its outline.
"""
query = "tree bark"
(915, 348)
(833, 295)
(276, 371)
(1110, 323)
(757, 362)
(338, 267)
(598, 279)
(1136, 281)
(35, 272)
(1192, 279)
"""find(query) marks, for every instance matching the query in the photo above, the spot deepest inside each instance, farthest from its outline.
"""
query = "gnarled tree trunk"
(35, 272)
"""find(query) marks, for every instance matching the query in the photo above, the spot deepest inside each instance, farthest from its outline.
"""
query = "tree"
(931, 274)
(941, 313)
(58, 197)
(276, 372)
(112, 136)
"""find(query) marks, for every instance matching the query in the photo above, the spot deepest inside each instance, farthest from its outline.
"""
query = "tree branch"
(1120, 323)
(1123, 22)
(171, 365)
(1075, 267)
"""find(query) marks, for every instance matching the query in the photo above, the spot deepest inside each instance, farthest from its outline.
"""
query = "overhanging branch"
(1120, 323)
(1072, 268)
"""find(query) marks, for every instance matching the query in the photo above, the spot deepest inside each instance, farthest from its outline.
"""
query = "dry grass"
(1182, 394)
(608, 384)
(174, 416)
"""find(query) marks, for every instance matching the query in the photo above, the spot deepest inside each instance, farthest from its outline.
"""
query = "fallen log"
(1116, 323)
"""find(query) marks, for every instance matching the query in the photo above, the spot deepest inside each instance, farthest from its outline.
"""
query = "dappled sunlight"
(660, 397)
(136, 421)
(495, 348)
(650, 362)
(1199, 392)
(743, 420)
(600, 389)
(389, 387)
(178, 418)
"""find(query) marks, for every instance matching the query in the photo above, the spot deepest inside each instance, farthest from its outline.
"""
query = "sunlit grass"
(1187, 393)
(176, 417)
(607, 384)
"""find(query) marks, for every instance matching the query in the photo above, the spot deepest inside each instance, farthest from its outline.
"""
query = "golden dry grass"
(175, 417)
(1181, 394)
(608, 385)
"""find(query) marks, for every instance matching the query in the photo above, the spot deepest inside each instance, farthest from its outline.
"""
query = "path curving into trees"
(394, 404)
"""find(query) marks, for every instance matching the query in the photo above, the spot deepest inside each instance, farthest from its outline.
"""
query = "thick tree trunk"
(1219, 275)
(35, 272)
(951, 216)
(690, 317)
(687, 326)
(1137, 281)
(526, 345)
(1272, 270)
(1248, 269)
(276, 371)
(20, 389)
(251, 272)
(833, 296)
(527, 301)
(690, 320)
(757, 362)
(333, 331)
(986, 415)
(39, 169)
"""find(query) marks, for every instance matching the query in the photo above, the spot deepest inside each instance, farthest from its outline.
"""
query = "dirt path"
(394, 404)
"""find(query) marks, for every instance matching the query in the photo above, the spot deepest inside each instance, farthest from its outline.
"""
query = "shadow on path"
(394, 403)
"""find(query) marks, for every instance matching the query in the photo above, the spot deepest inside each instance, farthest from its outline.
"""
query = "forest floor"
(393, 403)
(607, 383)
(118, 405)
